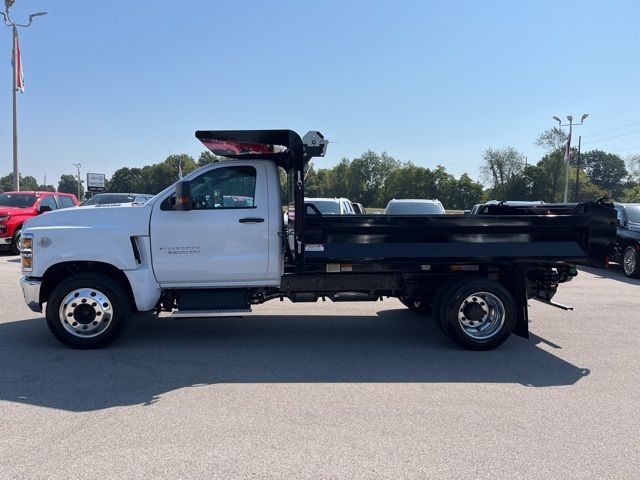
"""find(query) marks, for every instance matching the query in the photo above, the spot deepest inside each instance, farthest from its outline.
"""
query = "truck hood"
(13, 211)
(131, 220)
(106, 234)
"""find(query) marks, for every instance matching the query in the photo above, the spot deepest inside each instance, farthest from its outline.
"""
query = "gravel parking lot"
(362, 390)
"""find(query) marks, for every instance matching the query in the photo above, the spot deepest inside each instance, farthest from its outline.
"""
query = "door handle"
(251, 220)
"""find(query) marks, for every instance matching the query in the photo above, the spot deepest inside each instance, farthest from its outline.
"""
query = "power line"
(614, 136)
(627, 149)
(611, 129)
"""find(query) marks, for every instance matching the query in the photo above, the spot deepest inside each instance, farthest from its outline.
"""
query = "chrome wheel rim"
(481, 315)
(629, 261)
(86, 312)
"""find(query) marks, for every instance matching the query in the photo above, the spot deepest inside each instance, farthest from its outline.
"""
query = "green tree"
(553, 168)
(633, 167)
(207, 157)
(632, 194)
(552, 140)
(588, 191)
(69, 184)
(368, 174)
(501, 169)
(46, 188)
(606, 170)
(26, 183)
(465, 193)
(127, 180)
(151, 178)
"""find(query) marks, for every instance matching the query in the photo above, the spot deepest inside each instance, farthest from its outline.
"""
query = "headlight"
(26, 251)
(4, 218)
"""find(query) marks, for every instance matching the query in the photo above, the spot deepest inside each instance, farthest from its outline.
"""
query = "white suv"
(414, 207)
(332, 206)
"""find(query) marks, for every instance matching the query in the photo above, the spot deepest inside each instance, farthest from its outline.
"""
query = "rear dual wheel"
(477, 313)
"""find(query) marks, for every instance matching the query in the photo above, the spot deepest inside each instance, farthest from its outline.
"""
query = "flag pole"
(16, 175)
(17, 81)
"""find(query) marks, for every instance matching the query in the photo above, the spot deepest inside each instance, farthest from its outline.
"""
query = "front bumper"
(5, 241)
(31, 291)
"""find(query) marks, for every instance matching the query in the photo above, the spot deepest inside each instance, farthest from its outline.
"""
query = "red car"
(17, 207)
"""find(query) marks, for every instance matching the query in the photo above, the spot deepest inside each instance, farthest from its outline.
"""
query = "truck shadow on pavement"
(158, 355)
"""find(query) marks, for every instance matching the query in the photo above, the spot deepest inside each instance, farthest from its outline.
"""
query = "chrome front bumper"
(31, 291)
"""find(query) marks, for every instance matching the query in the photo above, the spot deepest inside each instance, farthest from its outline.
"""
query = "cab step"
(231, 312)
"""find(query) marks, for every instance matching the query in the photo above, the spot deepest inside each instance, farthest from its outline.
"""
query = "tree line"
(375, 178)
(592, 174)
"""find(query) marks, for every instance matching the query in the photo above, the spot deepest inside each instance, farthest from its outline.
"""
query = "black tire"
(14, 248)
(117, 300)
(480, 294)
(437, 302)
(631, 262)
(416, 304)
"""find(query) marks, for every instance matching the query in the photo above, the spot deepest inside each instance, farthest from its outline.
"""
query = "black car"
(626, 250)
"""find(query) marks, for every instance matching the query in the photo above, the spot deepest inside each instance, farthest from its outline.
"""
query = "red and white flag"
(18, 60)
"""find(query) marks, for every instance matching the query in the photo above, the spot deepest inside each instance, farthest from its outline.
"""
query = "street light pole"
(578, 169)
(567, 152)
(77, 165)
(16, 72)
(14, 91)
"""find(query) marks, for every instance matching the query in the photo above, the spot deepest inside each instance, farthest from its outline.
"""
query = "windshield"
(633, 213)
(17, 200)
(327, 207)
(414, 208)
(106, 198)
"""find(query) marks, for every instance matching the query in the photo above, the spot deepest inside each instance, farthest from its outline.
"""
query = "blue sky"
(111, 84)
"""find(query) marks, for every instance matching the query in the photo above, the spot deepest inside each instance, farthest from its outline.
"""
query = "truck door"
(224, 239)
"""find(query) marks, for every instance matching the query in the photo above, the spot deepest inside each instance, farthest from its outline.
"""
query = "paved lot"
(326, 391)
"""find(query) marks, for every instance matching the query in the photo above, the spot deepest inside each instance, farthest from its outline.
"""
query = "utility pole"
(567, 151)
(77, 165)
(578, 169)
(17, 80)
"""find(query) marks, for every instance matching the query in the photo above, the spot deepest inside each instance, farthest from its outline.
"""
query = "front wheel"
(14, 248)
(631, 262)
(477, 313)
(88, 310)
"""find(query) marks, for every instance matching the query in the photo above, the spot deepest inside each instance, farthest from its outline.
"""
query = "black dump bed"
(578, 234)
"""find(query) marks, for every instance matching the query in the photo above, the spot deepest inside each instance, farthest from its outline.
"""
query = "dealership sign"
(95, 182)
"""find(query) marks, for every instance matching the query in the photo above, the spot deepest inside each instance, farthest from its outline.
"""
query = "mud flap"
(602, 232)
(519, 292)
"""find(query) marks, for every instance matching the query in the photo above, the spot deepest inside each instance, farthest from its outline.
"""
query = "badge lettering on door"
(181, 250)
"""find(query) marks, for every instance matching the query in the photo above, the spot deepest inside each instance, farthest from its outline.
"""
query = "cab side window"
(222, 188)
(50, 202)
(65, 202)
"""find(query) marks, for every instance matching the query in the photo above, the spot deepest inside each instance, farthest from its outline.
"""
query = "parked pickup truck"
(17, 207)
(189, 252)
